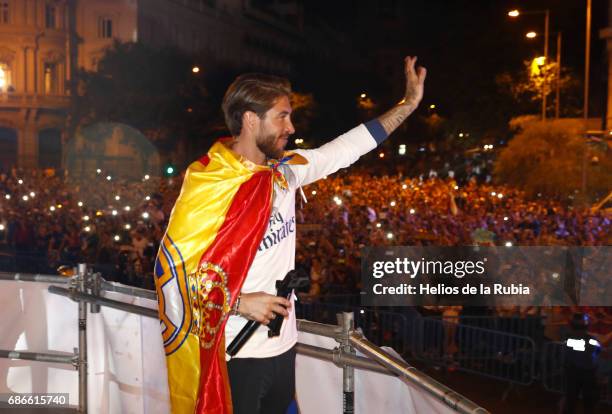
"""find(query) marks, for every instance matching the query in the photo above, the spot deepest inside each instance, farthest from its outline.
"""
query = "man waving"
(231, 236)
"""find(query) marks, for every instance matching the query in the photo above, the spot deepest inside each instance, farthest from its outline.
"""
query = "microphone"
(294, 279)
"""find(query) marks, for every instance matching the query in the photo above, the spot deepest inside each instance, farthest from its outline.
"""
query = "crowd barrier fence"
(486, 352)
(553, 374)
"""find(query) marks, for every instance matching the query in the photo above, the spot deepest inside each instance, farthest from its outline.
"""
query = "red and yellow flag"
(215, 228)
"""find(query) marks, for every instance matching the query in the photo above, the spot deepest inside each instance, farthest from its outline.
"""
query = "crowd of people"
(106, 220)
(48, 219)
(356, 210)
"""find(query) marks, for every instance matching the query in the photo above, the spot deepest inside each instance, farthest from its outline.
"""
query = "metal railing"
(77, 283)
(486, 352)
(493, 353)
(351, 340)
(553, 373)
(86, 287)
(30, 277)
(531, 326)
(383, 327)
(553, 356)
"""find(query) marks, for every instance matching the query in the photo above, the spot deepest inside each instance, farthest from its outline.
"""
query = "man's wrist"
(410, 105)
(236, 308)
(394, 117)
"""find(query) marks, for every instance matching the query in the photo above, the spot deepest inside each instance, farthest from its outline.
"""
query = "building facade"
(35, 73)
(44, 42)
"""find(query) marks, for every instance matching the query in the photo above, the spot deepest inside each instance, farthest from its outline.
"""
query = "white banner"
(319, 387)
(127, 370)
(126, 365)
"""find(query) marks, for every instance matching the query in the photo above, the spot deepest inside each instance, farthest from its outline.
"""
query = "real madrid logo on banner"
(210, 299)
(176, 317)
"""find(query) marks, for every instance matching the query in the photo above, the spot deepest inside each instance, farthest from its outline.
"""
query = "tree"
(548, 158)
(537, 77)
(152, 90)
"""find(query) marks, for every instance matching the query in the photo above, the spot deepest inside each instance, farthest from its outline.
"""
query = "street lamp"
(516, 13)
(195, 69)
(587, 61)
(365, 102)
(532, 35)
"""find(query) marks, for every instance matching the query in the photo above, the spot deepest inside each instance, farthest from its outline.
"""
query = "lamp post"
(532, 35)
(516, 13)
(587, 61)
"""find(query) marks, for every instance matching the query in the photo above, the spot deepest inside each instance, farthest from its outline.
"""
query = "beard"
(270, 146)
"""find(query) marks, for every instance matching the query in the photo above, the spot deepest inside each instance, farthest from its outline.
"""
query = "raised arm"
(348, 147)
(415, 80)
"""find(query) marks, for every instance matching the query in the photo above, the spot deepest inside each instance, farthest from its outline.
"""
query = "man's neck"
(248, 149)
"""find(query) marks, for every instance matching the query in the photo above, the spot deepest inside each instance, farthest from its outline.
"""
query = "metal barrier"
(344, 356)
(79, 283)
(553, 374)
(86, 287)
(383, 327)
(531, 326)
(480, 351)
(553, 356)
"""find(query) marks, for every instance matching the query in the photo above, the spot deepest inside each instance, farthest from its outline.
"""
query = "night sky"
(466, 43)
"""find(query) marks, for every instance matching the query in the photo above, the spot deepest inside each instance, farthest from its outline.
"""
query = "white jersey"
(276, 254)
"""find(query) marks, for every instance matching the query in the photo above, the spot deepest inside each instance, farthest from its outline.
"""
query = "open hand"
(415, 81)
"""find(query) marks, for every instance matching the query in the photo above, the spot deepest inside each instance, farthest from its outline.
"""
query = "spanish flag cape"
(214, 231)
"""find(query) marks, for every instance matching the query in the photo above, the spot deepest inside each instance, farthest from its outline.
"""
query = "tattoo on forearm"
(394, 117)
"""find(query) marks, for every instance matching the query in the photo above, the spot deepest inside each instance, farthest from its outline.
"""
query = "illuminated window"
(105, 27)
(50, 16)
(5, 77)
(4, 12)
(3, 81)
(50, 78)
